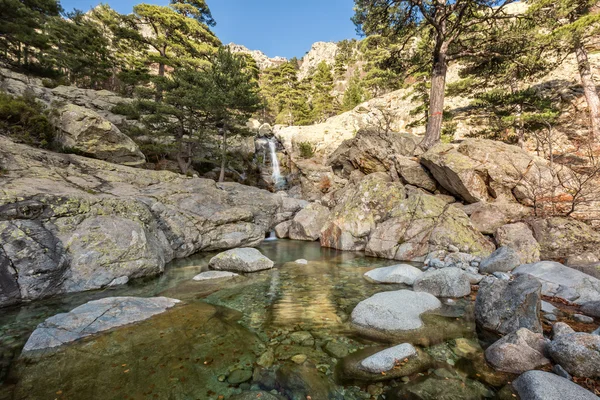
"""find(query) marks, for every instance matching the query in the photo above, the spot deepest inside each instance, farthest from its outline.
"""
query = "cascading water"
(277, 178)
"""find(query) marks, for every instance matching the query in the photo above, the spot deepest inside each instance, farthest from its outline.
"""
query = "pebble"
(299, 358)
(239, 376)
(550, 317)
(583, 319)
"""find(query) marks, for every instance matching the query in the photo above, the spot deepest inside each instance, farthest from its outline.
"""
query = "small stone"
(465, 347)
(549, 308)
(302, 338)
(375, 390)
(387, 359)
(221, 378)
(239, 376)
(336, 349)
(301, 261)
(453, 249)
(266, 359)
(560, 371)
(299, 358)
(550, 317)
(560, 328)
(583, 319)
(502, 276)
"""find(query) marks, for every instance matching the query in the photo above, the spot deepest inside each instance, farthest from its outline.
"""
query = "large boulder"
(94, 317)
(563, 282)
(307, 224)
(372, 151)
(403, 273)
(394, 311)
(70, 223)
(519, 237)
(240, 260)
(422, 224)
(561, 238)
(503, 307)
(352, 221)
(488, 217)
(505, 259)
(446, 282)
(578, 353)
(518, 352)
(483, 170)
(540, 385)
(87, 132)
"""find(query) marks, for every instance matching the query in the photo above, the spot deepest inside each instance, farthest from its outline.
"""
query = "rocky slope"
(70, 223)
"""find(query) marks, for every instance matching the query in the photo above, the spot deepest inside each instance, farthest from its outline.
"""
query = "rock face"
(320, 51)
(262, 61)
(483, 170)
(488, 217)
(578, 353)
(387, 359)
(240, 260)
(87, 132)
(422, 224)
(540, 385)
(70, 223)
(446, 282)
(504, 259)
(307, 224)
(519, 237)
(403, 273)
(394, 311)
(518, 352)
(564, 282)
(209, 275)
(560, 238)
(94, 317)
(503, 307)
(352, 221)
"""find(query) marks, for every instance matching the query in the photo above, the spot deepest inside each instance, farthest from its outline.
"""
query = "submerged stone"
(402, 273)
(208, 275)
(387, 359)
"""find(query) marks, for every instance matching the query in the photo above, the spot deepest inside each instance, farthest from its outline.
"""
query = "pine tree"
(571, 23)
(377, 53)
(446, 20)
(286, 96)
(354, 94)
(322, 99)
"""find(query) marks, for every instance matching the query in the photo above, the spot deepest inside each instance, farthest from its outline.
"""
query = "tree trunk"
(589, 87)
(436, 99)
(223, 155)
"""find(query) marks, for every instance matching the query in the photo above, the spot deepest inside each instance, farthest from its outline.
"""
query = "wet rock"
(239, 376)
(336, 349)
(266, 359)
(209, 275)
(94, 317)
(299, 358)
(364, 206)
(241, 260)
(394, 311)
(301, 262)
(539, 385)
(503, 307)
(578, 353)
(583, 319)
(303, 381)
(519, 237)
(254, 395)
(402, 273)
(307, 224)
(422, 224)
(518, 352)
(447, 282)
(387, 359)
(441, 388)
(504, 259)
(352, 367)
(302, 338)
(563, 282)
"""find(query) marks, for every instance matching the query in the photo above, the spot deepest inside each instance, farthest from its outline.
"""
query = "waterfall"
(277, 178)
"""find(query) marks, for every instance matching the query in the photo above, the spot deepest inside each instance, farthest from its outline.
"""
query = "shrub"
(307, 150)
(25, 120)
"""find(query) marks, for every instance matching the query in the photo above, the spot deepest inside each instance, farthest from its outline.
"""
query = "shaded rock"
(503, 307)
(505, 259)
(563, 282)
(549, 308)
(402, 273)
(578, 353)
(94, 317)
(387, 359)
(591, 308)
(301, 381)
(208, 275)
(422, 224)
(254, 395)
(441, 388)
(518, 352)
(394, 311)
(488, 217)
(307, 224)
(364, 206)
(519, 237)
(560, 371)
(241, 260)
(560, 238)
(583, 319)
(446, 282)
(560, 328)
(86, 131)
(239, 376)
(413, 173)
(282, 230)
(539, 385)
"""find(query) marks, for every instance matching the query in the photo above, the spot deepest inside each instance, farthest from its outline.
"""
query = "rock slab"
(209, 275)
(539, 385)
(240, 260)
(386, 360)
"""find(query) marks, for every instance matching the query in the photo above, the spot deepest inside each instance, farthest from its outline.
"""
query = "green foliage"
(322, 99)
(307, 150)
(25, 120)
(344, 57)
(354, 94)
(286, 97)
(382, 74)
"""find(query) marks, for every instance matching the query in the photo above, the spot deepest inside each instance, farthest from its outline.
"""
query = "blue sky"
(277, 27)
